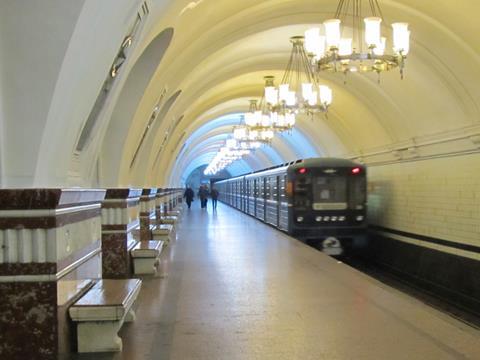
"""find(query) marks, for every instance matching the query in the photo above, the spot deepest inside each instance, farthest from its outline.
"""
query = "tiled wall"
(437, 197)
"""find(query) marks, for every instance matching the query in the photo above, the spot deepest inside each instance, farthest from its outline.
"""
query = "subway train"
(319, 200)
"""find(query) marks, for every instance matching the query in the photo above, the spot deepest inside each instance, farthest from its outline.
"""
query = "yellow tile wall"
(437, 197)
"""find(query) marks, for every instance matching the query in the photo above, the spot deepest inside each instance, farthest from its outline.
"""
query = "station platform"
(231, 288)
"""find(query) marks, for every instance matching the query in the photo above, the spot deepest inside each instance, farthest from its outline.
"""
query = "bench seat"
(168, 219)
(146, 256)
(101, 312)
(163, 232)
(176, 213)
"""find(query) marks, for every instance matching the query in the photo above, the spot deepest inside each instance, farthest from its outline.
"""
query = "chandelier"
(232, 150)
(261, 119)
(355, 48)
(246, 134)
(299, 90)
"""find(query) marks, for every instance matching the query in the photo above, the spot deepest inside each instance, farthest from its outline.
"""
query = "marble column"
(161, 206)
(50, 255)
(120, 215)
(158, 206)
(147, 213)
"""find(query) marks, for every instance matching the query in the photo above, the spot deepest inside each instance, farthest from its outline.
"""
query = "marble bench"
(176, 213)
(169, 219)
(101, 312)
(146, 256)
(163, 232)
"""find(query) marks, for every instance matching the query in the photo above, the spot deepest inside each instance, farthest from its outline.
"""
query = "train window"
(267, 188)
(283, 185)
(331, 189)
(358, 193)
(274, 188)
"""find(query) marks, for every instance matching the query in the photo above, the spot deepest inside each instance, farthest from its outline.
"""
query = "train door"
(244, 186)
(234, 193)
(266, 193)
(277, 199)
(237, 193)
(255, 194)
(245, 195)
(283, 204)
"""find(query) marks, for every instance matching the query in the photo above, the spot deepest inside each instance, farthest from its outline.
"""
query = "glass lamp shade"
(307, 90)
(315, 43)
(253, 135)
(312, 100)
(290, 119)
(401, 38)
(266, 134)
(273, 117)
(271, 95)
(283, 92)
(239, 133)
(292, 98)
(266, 121)
(345, 47)
(326, 95)
(258, 117)
(250, 119)
(321, 47)
(332, 32)
(380, 48)
(231, 143)
(312, 36)
(280, 121)
(372, 31)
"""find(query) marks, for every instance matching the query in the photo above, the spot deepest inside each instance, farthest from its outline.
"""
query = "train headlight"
(318, 219)
(326, 218)
(360, 218)
(341, 218)
(299, 218)
(334, 218)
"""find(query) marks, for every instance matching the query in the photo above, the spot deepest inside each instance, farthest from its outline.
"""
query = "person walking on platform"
(189, 195)
(214, 196)
(203, 195)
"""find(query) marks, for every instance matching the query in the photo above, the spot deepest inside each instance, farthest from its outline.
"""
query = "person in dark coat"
(214, 196)
(203, 195)
(189, 195)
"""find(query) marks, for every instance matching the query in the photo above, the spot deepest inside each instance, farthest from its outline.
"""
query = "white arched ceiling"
(365, 114)
(218, 56)
(210, 137)
(118, 132)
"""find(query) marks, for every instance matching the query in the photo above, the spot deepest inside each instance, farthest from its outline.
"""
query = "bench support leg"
(145, 266)
(98, 336)
(131, 315)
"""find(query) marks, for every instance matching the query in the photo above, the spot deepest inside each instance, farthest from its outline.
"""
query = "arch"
(138, 79)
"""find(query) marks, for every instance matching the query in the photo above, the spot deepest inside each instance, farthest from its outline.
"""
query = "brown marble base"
(116, 262)
(145, 227)
(28, 321)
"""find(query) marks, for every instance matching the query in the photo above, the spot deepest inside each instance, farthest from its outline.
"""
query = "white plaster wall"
(31, 55)
(439, 198)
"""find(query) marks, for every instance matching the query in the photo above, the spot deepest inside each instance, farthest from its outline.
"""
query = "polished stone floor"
(234, 288)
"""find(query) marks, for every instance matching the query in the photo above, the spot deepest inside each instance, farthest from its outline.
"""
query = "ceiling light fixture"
(299, 90)
(357, 48)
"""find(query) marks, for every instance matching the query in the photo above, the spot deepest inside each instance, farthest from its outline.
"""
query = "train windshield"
(330, 192)
(358, 192)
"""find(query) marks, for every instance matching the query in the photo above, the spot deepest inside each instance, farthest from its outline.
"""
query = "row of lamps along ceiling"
(355, 48)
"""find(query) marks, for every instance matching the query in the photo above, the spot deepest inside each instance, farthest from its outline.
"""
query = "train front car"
(327, 203)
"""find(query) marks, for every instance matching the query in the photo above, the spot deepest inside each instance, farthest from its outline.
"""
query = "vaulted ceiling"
(188, 76)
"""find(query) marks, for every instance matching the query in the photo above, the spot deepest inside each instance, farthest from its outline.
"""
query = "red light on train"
(302, 171)
(356, 171)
